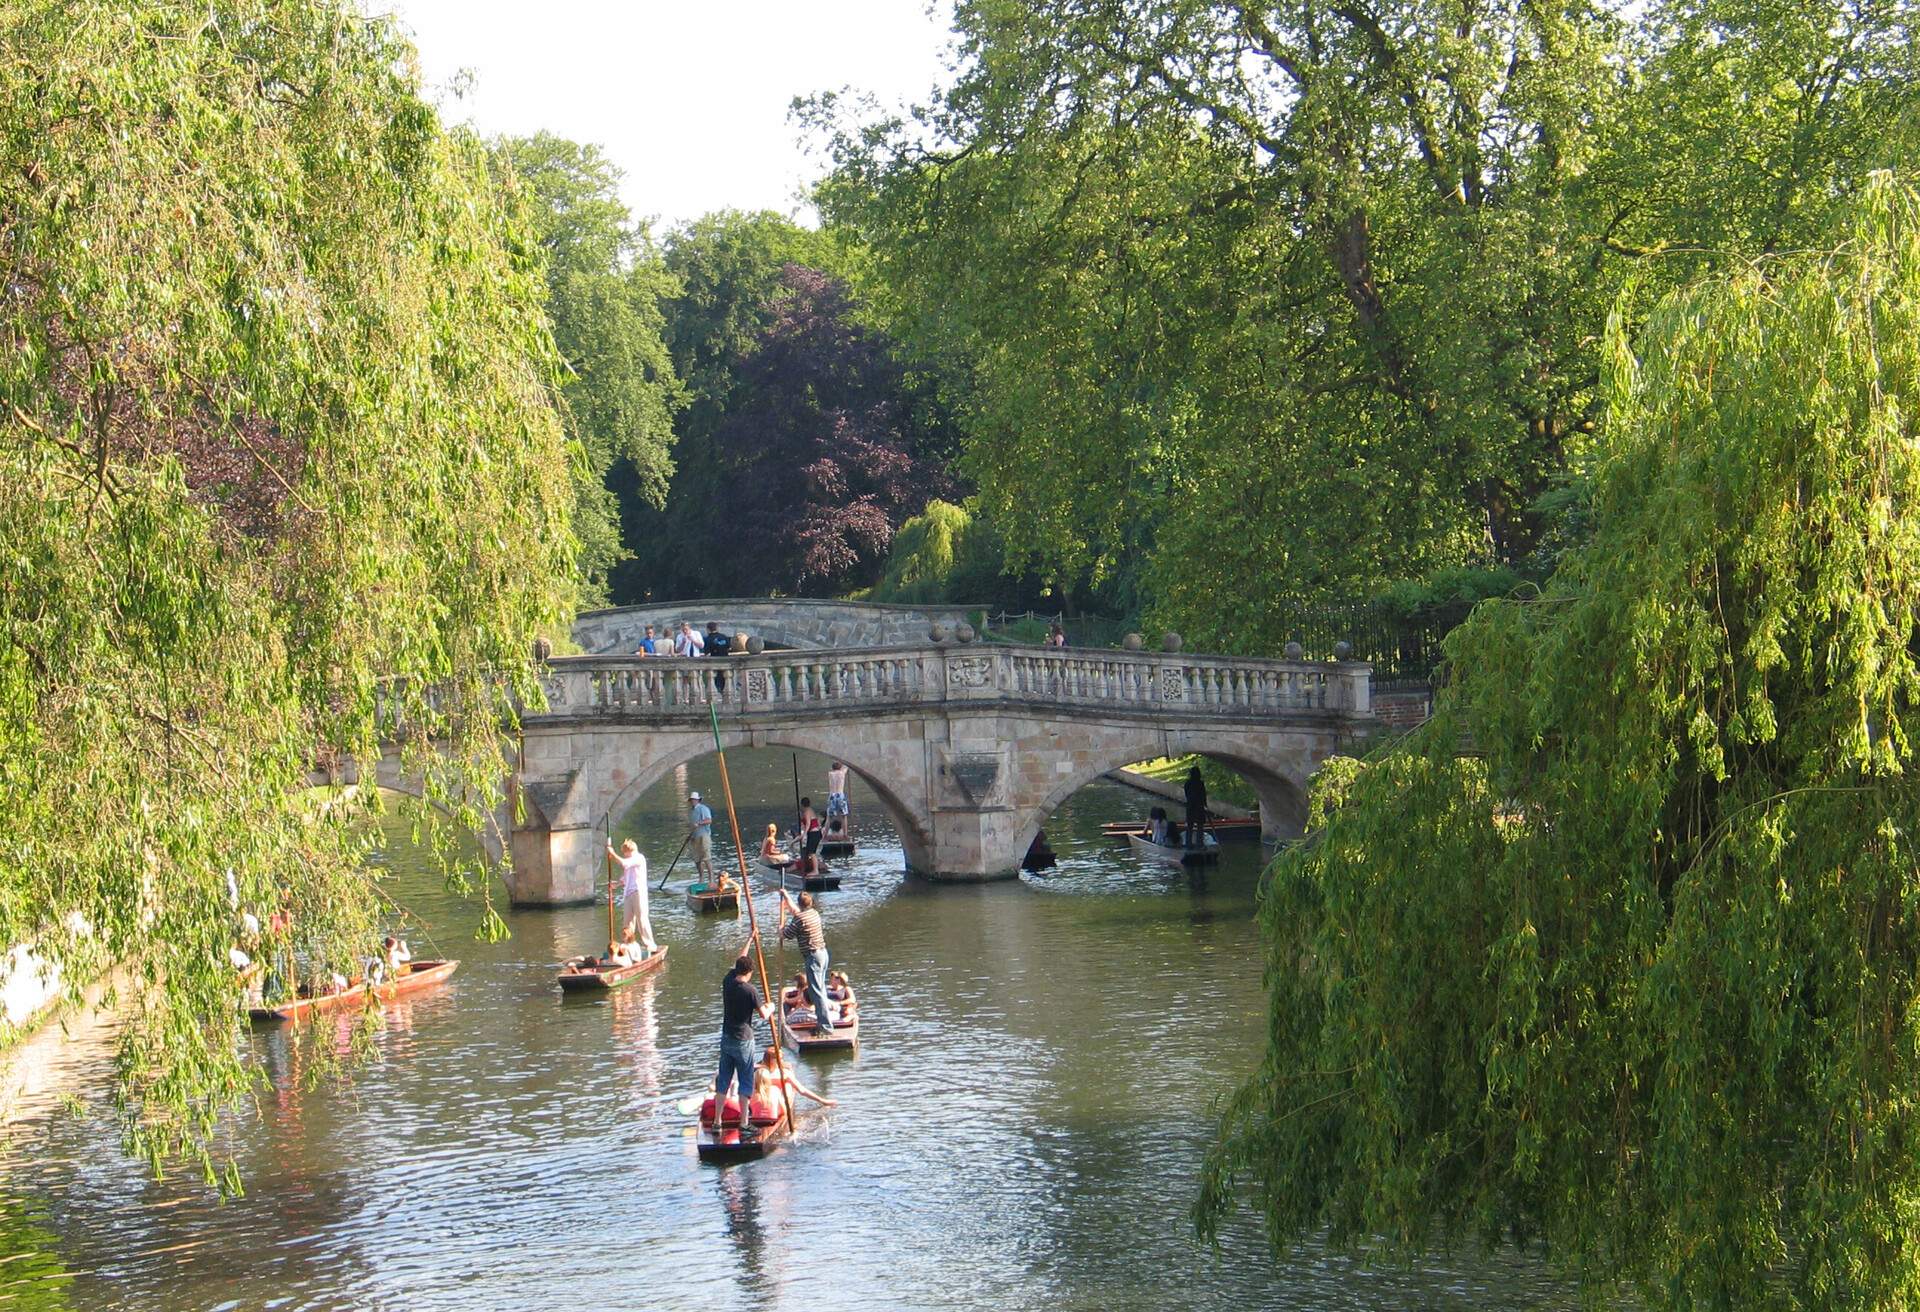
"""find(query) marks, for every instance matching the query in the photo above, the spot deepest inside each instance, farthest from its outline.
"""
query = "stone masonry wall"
(781, 623)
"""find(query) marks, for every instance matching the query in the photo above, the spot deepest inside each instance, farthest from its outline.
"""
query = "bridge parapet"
(779, 684)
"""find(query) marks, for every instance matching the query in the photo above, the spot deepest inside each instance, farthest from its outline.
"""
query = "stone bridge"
(969, 748)
(780, 621)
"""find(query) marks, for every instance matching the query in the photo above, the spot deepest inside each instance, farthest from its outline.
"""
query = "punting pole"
(800, 837)
(753, 920)
(611, 939)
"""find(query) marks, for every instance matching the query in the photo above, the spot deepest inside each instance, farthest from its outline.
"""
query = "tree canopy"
(803, 433)
(605, 288)
(1285, 302)
(1639, 979)
(278, 453)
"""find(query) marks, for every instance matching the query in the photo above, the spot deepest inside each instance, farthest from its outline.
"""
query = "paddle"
(676, 861)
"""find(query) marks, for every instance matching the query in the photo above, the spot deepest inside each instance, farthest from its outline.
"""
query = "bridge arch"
(909, 822)
(1278, 775)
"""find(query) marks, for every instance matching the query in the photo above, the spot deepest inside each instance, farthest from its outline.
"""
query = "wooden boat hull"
(714, 901)
(812, 883)
(838, 847)
(844, 1038)
(600, 981)
(1180, 856)
(424, 975)
(724, 1145)
(777, 867)
(1039, 861)
(1225, 829)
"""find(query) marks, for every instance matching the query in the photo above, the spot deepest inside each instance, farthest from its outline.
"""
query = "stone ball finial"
(964, 632)
(1342, 649)
(542, 649)
(739, 642)
(937, 632)
(1133, 642)
(1293, 651)
(1171, 641)
(756, 644)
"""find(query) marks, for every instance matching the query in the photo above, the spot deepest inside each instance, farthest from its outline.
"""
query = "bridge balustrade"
(789, 681)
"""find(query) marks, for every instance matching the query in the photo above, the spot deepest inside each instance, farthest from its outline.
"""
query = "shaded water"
(1020, 1128)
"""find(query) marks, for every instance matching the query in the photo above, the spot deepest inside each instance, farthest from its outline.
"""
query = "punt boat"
(422, 975)
(576, 976)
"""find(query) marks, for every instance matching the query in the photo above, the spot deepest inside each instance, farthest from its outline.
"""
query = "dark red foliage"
(828, 445)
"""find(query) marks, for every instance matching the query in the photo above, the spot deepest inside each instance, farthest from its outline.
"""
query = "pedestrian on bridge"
(687, 642)
(647, 644)
(700, 834)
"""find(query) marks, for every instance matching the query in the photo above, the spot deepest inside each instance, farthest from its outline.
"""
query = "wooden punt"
(768, 863)
(703, 897)
(844, 1038)
(576, 977)
(812, 883)
(1224, 828)
(723, 1144)
(1180, 856)
(423, 975)
(838, 846)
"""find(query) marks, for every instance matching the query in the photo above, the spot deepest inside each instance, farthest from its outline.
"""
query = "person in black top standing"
(740, 1002)
(1196, 808)
(718, 644)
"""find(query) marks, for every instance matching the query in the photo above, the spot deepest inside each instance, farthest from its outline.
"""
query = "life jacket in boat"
(733, 1110)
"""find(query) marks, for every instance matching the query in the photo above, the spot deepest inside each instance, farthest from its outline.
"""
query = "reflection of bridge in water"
(969, 748)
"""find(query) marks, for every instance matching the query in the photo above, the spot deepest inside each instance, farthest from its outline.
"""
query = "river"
(1020, 1128)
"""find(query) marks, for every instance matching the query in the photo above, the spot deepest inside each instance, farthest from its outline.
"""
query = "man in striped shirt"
(802, 925)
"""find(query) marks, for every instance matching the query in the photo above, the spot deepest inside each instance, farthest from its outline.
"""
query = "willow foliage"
(1640, 979)
(276, 447)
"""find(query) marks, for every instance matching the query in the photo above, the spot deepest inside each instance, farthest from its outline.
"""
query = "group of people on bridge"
(686, 641)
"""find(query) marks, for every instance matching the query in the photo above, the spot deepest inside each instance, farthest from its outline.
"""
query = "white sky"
(689, 99)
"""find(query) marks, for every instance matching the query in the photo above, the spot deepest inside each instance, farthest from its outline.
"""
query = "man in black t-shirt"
(740, 1002)
(718, 644)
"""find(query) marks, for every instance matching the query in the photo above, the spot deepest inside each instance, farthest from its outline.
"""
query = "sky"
(689, 99)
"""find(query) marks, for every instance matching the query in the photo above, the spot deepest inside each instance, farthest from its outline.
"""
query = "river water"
(1020, 1128)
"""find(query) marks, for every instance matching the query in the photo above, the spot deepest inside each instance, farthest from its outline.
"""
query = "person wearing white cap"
(700, 822)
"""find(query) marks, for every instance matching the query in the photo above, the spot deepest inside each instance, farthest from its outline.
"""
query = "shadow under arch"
(1283, 801)
(909, 823)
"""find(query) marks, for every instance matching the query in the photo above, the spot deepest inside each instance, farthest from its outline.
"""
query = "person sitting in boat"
(840, 993)
(1157, 825)
(337, 983)
(626, 953)
(396, 957)
(770, 850)
(769, 1078)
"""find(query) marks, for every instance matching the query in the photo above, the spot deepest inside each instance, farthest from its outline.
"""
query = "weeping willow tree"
(1638, 979)
(277, 456)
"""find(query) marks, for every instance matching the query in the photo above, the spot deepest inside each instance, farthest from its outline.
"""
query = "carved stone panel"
(757, 686)
(1173, 684)
(969, 671)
